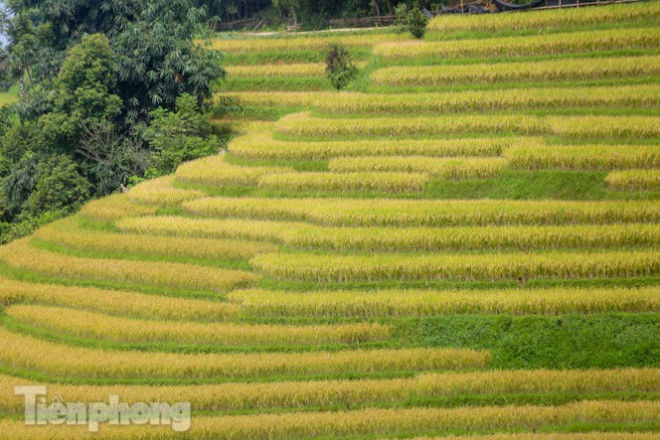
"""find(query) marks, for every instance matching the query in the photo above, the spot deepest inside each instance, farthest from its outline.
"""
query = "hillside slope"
(463, 243)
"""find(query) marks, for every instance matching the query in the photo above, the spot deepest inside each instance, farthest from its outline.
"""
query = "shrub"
(176, 137)
(339, 68)
(411, 19)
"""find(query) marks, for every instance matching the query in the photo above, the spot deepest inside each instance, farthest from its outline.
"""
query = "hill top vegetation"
(110, 93)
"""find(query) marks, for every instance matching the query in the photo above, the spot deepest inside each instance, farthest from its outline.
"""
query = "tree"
(339, 68)
(417, 21)
(411, 19)
(42, 31)
(60, 187)
(176, 137)
(159, 62)
(288, 7)
(82, 91)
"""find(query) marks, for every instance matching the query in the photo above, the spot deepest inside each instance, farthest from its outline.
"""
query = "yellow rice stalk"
(284, 232)
(634, 180)
(583, 157)
(261, 146)
(304, 125)
(352, 393)
(606, 126)
(115, 302)
(551, 70)
(345, 238)
(21, 255)
(161, 192)
(313, 181)
(276, 70)
(243, 45)
(368, 304)
(447, 168)
(274, 98)
(388, 212)
(96, 326)
(371, 422)
(113, 208)
(66, 233)
(538, 20)
(391, 266)
(475, 100)
(553, 436)
(484, 100)
(301, 70)
(24, 352)
(569, 42)
(216, 171)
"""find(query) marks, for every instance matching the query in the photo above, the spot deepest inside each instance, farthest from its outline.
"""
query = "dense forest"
(110, 94)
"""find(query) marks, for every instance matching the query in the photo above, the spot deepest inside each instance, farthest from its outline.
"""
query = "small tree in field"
(339, 68)
(411, 19)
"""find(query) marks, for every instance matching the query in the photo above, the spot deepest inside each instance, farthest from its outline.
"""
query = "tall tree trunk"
(375, 8)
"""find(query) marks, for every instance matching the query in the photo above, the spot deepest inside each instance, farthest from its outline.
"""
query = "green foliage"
(289, 7)
(158, 61)
(59, 187)
(20, 183)
(401, 17)
(155, 61)
(82, 91)
(411, 19)
(112, 159)
(176, 137)
(339, 68)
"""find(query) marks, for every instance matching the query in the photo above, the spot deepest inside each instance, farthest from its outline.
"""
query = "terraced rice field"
(464, 244)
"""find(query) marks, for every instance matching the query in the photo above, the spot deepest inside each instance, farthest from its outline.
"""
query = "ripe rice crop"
(261, 146)
(66, 233)
(447, 168)
(93, 325)
(312, 181)
(353, 393)
(215, 170)
(551, 70)
(477, 100)
(484, 100)
(161, 192)
(383, 421)
(583, 157)
(387, 212)
(598, 435)
(242, 45)
(368, 304)
(375, 267)
(210, 228)
(538, 20)
(21, 255)
(304, 125)
(276, 70)
(115, 302)
(345, 238)
(113, 208)
(634, 180)
(546, 44)
(60, 360)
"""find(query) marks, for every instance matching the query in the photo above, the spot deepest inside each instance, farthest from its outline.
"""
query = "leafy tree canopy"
(156, 62)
